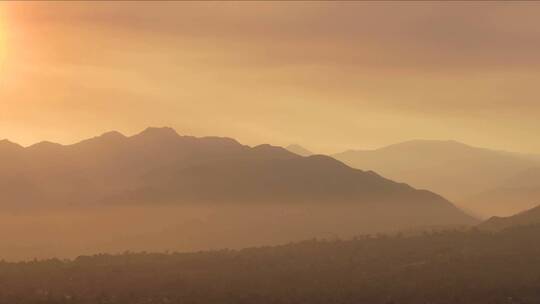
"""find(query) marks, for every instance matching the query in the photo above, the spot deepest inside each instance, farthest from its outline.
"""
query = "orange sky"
(330, 76)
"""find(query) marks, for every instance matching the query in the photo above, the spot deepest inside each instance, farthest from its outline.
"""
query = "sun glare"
(2, 36)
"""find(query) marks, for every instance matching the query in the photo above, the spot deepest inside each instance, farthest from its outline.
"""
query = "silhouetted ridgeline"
(528, 217)
(483, 181)
(297, 149)
(264, 188)
(517, 193)
(439, 268)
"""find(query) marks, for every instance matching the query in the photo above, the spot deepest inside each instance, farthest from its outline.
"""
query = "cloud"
(273, 71)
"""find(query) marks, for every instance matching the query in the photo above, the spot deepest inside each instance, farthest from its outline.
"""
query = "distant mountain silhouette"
(160, 166)
(86, 171)
(297, 149)
(528, 217)
(197, 188)
(455, 170)
(515, 194)
(526, 178)
(8, 147)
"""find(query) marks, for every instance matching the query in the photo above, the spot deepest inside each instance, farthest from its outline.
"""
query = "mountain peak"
(297, 149)
(427, 143)
(7, 142)
(524, 218)
(112, 135)
(44, 145)
(158, 132)
(106, 138)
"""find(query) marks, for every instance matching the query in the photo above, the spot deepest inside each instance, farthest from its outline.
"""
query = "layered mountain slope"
(160, 190)
(158, 165)
(297, 149)
(525, 218)
(295, 181)
(515, 194)
(86, 171)
(453, 169)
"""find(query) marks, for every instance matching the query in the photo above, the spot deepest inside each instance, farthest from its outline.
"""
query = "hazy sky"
(330, 76)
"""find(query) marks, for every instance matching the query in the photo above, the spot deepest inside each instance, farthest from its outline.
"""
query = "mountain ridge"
(180, 192)
(297, 149)
(175, 168)
(524, 218)
(455, 170)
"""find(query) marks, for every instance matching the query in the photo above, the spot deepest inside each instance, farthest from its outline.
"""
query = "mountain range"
(529, 217)
(283, 195)
(515, 194)
(482, 181)
(297, 149)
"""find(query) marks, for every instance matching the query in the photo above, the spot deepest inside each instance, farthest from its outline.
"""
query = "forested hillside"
(444, 267)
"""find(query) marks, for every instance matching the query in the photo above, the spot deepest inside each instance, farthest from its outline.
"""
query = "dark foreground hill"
(165, 176)
(439, 268)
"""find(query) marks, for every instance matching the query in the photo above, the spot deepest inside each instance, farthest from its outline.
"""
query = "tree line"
(445, 267)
